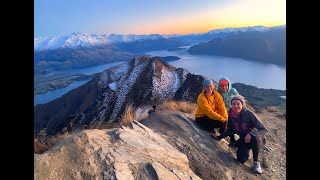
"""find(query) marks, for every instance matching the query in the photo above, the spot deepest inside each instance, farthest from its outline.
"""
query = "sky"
(62, 17)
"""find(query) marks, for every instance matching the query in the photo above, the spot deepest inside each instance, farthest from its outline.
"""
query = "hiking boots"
(256, 167)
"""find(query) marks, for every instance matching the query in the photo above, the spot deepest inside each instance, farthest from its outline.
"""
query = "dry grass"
(128, 115)
(101, 125)
(42, 142)
(40, 147)
(183, 106)
(273, 109)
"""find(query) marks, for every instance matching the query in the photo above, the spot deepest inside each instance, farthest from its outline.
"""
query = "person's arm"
(207, 110)
(228, 132)
(261, 129)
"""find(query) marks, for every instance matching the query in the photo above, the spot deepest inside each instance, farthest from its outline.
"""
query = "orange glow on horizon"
(198, 27)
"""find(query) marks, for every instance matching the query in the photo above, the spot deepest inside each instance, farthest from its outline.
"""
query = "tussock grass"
(101, 125)
(128, 115)
(273, 109)
(40, 147)
(42, 142)
(183, 106)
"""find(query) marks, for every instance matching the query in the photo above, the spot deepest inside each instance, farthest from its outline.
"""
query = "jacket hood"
(224, 78)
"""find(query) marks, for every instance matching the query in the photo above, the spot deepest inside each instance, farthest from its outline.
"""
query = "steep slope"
(166, 145)
(210, 159)
(140, 81)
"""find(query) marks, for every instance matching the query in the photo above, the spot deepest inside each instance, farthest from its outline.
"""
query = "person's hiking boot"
(256, 167)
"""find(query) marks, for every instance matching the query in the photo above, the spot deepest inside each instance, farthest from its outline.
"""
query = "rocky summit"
(141, 81)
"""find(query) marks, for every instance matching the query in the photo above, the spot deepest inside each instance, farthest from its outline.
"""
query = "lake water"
(261, 75)
(54, 94)
(86, 71)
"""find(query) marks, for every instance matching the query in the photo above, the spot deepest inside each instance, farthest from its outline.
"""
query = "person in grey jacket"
(248, 131)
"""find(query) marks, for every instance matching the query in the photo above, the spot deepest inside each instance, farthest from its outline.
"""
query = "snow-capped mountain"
(76, 40)
(245, 29)
(141, 81)
(116, 38)
(73, 40)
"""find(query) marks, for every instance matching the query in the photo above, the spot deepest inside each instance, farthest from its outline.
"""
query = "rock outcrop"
(128, 153)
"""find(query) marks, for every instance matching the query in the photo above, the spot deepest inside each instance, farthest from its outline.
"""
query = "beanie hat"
(224, 82)
(207, 81)
(237, 98)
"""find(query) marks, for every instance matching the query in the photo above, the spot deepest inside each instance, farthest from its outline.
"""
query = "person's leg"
(256, 144)
(209, 124)
(204, 122)
(232, 142)
(223, 126)
(242, 151)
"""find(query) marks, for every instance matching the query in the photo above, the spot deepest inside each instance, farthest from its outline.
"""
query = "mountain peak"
(141, 81)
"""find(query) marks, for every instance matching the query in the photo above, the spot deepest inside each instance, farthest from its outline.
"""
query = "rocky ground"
(166, 145)
(210, 159)
(127, 153)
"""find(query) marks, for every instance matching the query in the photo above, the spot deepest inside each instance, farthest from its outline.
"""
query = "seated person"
(250, 130)
(211, 112)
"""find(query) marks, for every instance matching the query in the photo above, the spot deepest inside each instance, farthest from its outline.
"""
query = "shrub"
(183, 106)
(128, 115)
(273, 109)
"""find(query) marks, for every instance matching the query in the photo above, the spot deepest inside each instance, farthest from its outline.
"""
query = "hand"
(247, 139)
(224, 118)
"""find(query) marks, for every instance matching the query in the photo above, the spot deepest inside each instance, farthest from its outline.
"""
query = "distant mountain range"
(80, 50)
(76, 40)
(67, 58)
(264, 46)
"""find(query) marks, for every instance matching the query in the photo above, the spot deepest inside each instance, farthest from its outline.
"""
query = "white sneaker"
(256, 167)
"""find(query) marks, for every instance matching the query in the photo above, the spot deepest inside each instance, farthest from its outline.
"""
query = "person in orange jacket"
(211, 112)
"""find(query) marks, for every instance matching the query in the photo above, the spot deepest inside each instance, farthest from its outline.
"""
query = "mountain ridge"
(265, 47)
(77, 39)
(140, 81)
